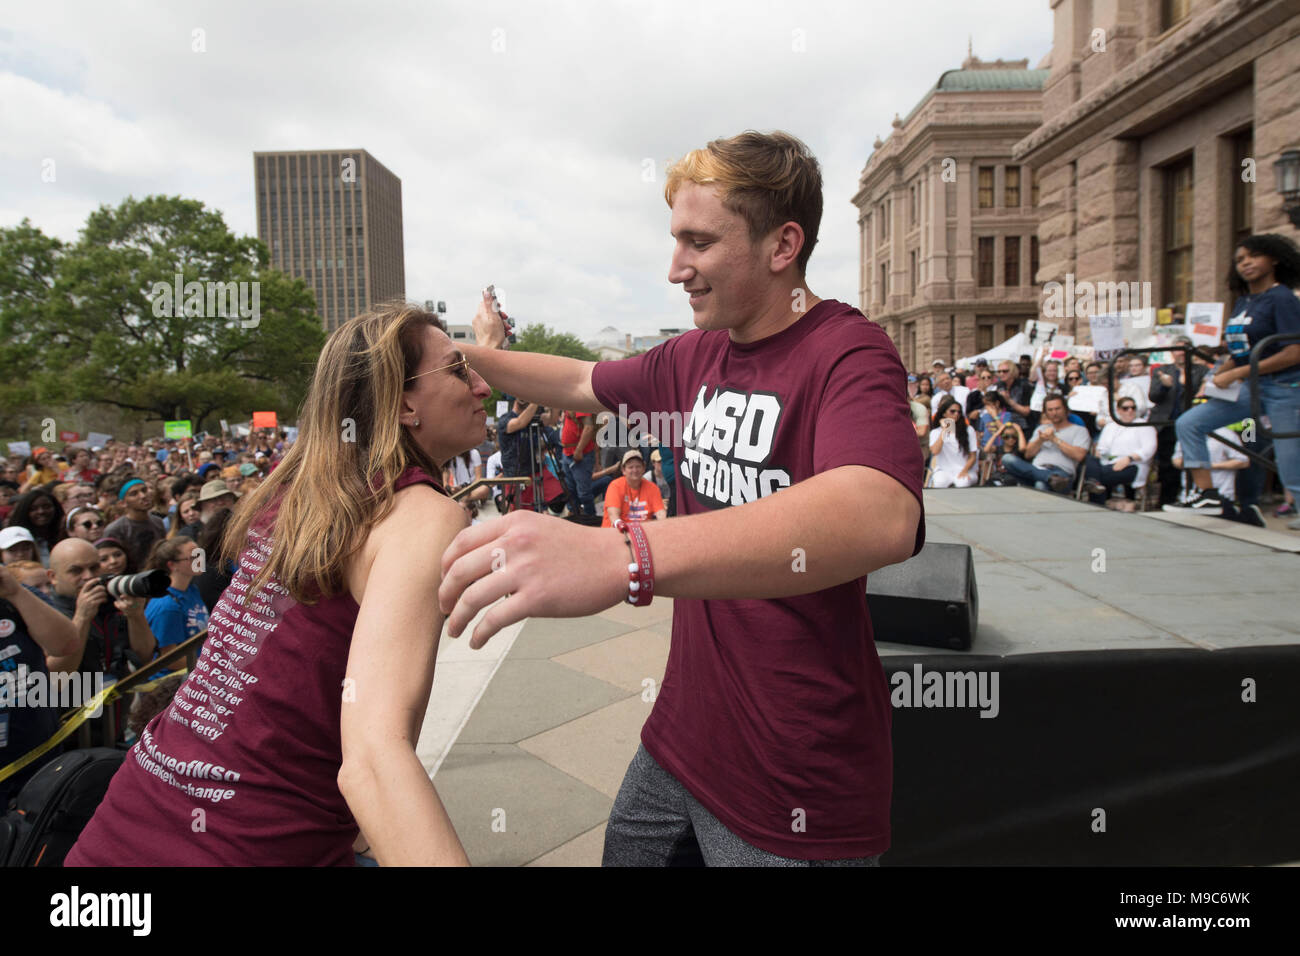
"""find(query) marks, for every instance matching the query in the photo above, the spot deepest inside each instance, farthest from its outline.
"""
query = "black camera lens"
(149, 584)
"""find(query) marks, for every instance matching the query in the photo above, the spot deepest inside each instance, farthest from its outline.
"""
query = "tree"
(28, 260)
(537, 337)
(239, 336)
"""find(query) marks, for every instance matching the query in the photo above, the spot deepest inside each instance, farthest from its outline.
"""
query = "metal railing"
(187, 651)
(1187, 395)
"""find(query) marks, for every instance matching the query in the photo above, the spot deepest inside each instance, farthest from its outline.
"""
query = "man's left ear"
(789, 242)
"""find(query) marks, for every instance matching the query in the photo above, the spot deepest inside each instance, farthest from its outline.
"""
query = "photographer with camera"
(113, 637)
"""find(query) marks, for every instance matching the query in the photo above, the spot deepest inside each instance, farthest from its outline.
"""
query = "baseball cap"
(247, 468)
(628, 456)
(12, 536)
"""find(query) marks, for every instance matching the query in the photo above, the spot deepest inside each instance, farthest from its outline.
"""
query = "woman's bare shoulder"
(419, 514)
(421, 508)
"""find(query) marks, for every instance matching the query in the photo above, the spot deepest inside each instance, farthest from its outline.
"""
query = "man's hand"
(1047, 433)
(88, 601)
(9, 585)
(516, 557)
(490, 328)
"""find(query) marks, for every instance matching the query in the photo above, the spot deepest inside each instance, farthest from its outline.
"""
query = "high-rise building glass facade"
(333, 219)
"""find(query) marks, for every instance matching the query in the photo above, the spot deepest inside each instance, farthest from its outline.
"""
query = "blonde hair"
(767, 178)
(177, 523)
(337, 480)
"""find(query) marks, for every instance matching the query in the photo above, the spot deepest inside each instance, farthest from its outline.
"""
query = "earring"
(416, 423)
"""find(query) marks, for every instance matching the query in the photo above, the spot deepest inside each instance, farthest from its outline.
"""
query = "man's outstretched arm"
(552, 380)
(846, 522)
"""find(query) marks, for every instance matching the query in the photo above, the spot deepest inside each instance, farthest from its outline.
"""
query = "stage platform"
(1139, 677)
(1170, 581)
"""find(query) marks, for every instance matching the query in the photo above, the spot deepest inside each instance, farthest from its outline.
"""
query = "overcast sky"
(520, 130)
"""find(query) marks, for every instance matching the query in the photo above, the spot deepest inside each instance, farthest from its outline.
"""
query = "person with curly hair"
(40, 513)
(1265, 272)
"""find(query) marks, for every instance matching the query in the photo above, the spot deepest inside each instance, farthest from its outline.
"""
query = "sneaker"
(1252, 515)
(1202, 502)
(1059, 483)
(1283, 510)
(1094, 487)
(1294, 525)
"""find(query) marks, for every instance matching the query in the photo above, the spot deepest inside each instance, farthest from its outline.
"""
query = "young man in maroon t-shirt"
(769, 742)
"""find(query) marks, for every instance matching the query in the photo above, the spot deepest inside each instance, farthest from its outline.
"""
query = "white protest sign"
(1204, 322)
(1107, 336)
(1088, 398)
(23, 448)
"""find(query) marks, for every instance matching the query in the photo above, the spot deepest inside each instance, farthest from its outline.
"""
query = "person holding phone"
(798, 435)
(952, 447)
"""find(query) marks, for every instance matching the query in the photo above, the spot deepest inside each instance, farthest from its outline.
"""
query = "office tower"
(333, 218)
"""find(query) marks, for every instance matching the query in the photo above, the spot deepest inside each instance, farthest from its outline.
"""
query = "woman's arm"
(389, 676)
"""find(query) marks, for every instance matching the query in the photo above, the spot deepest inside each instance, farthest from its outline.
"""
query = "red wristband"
(641, 582)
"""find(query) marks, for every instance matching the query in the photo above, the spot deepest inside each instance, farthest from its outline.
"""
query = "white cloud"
(520, 167)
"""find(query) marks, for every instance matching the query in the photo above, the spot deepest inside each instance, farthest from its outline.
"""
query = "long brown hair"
(336, 481)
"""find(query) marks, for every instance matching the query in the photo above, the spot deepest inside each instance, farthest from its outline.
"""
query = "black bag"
(55, 805)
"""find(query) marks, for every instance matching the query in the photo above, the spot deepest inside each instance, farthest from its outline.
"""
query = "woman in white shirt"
(1123, 455)
(952, 447)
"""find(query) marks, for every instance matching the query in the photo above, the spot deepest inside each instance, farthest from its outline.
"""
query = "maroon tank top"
(241, 768)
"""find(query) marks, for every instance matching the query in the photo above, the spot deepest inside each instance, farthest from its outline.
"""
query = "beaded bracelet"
(641, 580)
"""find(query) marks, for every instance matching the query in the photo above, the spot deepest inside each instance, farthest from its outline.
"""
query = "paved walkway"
(528, 748)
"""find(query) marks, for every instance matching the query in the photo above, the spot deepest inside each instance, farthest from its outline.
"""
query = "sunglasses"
(1126, 408)
(86, 525)
(461, 370)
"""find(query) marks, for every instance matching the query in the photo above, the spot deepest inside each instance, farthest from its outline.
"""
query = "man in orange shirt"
(630, 497)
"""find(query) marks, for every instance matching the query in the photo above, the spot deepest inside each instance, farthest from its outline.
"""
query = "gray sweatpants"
(656, 822)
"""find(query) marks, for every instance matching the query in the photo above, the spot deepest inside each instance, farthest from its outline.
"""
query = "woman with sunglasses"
(952, 447)
(1265, 271)
(297, 728)
(1123, 455)
(86, 523)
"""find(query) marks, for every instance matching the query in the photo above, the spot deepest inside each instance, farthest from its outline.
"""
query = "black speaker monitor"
(930, 599)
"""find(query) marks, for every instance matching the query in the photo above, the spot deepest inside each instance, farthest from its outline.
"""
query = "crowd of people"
(1013, 422)
(74, 518)
(582, 476)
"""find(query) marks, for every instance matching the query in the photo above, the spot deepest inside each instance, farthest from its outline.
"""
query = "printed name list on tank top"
(207, 702)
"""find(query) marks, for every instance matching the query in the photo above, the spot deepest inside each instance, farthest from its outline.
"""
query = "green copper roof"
(993, 80)
(982, 80)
